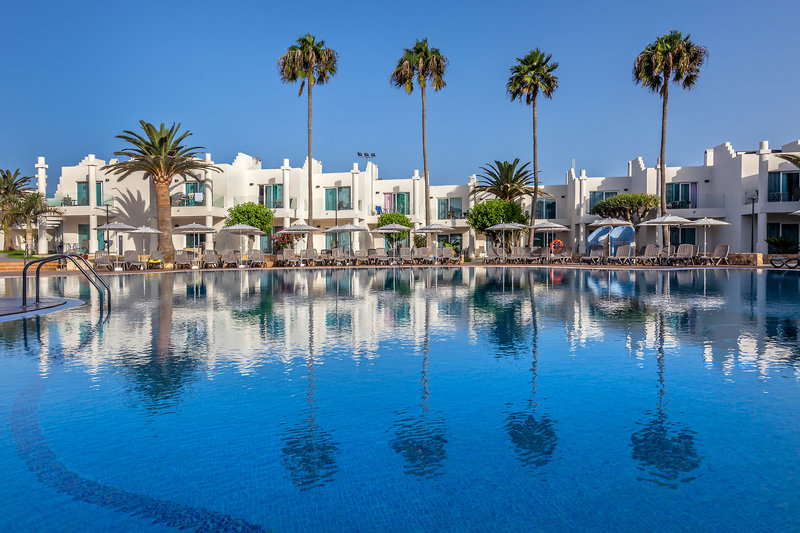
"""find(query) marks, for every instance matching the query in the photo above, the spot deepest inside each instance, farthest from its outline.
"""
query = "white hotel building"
(754, 191)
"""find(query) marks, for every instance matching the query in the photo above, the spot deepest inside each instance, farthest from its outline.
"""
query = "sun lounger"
(563, 257)
(405, 256)
(360, 257)
(209, 259)
(156, 260)
(229, 258)
(338, 257)
(596, 256)
(720, 254)
(493, 256)
(684, 255)
(421, 255)
(181, 259)
(102, 260)
(130, 260)
(381, 257)
(622, 256)
(449, 256)
(649, 256)
(255, 258)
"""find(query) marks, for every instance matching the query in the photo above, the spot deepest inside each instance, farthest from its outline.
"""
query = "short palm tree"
(423, 64)
(160, 155)
(671, 57)
(31, 208)
(312, 62)
(530, 76)
(505, 181)
(12, 188)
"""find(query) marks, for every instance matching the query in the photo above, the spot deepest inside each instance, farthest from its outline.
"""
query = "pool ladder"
(75, 258)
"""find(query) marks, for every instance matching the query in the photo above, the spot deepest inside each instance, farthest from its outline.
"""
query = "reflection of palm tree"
(162, 376)
(534, 437)
(664, 450)
(421, 440)
(309, 452)
(505, 309)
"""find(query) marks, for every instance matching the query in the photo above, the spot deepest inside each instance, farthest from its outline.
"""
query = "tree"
(489, 213)
(533, 74)
(671, 57)
(30, 209)
(12, 188)
(423, 64)
(252, 214)
(505, 181)
(633, 207)
(394, 218)
(312, 62)
(160, 155)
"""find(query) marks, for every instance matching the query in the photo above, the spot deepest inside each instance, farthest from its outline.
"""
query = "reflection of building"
(754, 191)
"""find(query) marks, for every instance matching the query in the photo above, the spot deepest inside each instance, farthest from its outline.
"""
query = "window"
(83, 237)
(546, 208)
(101, 241)
(682, 236)
(83, 193)
(195, 240)
(774, 229)
(449, 208)
(337, 198)
(267, 241)
(682, 195)
(195, 192)
(598, 196)
(395, 203)
(271, 196)
(783, 186)
(456, 240)
(337, 240)
(99, 191)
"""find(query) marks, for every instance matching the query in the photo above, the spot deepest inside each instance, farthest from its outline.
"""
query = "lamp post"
(366, 156)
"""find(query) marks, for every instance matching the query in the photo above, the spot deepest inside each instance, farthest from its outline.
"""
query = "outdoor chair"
(516, 255)
(449, 256)
(623, 255)
(360, 257)
(649, 255)
(313, 258)
(696, 254)
(684, 255)
(338, 257)
(596, 256)
(563, 257)
(291, 258)
(103, 259)
(372, 256)
(255, 258)
(229, 258)
(720, 254)
(210, 259)
(181, 259)
(534, 255)
(156, 260)
(405, 256)
(421, 255)
(492, 256)
(381, 257)
(665, 255)
(130, 260)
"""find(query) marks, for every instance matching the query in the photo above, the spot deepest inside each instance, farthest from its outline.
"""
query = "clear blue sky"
(75, 74)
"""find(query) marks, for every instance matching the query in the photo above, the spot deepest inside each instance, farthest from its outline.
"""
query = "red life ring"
(556, 246)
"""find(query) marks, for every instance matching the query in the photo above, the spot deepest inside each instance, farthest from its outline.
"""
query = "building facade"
(754, 191)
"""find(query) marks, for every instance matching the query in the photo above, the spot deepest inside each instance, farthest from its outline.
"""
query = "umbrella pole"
(705, 233)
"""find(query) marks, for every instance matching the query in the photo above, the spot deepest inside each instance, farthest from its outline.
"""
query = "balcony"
(185, 200)
(786, 196)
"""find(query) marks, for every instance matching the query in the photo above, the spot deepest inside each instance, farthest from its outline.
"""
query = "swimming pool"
(440, 399)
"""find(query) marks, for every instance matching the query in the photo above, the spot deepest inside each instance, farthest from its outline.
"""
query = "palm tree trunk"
(7, 237)
(29, 236)
(310, 170)
(665, 229)
(425, 166)
(535, 173)
(164, 211)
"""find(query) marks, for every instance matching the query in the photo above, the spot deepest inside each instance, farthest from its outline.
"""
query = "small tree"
(31, 208)
(489, 213)
(420, 240)
(394, 218)
(633, 207)
(252, 214)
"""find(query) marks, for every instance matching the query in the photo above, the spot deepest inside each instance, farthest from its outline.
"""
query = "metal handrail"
(58, 257)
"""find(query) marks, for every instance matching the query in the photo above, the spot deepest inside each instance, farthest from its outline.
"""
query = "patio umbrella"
(549, 227)
(345, 228)
(433, 228)
(117, 227)
(241, 229)
(144, 230)
(502, 227)
(705, 222)
(300, 228)
(666, 220)
(195, 229)
(391, 229)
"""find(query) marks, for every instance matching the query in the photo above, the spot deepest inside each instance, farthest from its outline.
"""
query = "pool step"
(17, 266)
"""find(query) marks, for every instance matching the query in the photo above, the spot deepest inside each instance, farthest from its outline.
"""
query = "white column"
(285, 173)
(41, 185)
(582, 203)
(354, 188)
(92, 164)
(209, 236)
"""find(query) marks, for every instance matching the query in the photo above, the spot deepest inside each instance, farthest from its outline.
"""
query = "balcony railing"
(786, 196)
(185, 200)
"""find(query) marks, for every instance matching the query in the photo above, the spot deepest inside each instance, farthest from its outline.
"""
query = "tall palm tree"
(505, 181)
(671, 57)
(160, 155)
(421, 63)
(30, 209)
(533, 74)
(312, 62)
(12, 188)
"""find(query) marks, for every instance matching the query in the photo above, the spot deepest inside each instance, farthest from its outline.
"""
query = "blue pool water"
(449, 399)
